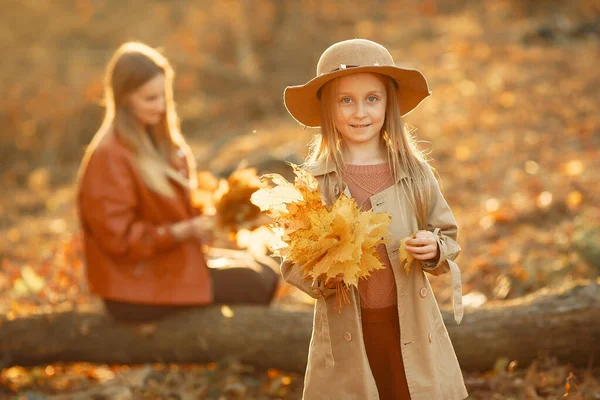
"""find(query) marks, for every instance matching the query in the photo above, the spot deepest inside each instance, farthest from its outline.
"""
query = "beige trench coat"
(338, 368)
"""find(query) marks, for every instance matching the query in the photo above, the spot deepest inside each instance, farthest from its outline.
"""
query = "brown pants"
(381, 331)
(231, 285)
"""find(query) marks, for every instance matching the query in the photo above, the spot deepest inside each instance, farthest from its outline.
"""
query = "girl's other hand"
(423, 246)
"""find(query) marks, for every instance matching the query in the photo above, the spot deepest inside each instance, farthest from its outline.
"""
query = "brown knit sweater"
(379, 289)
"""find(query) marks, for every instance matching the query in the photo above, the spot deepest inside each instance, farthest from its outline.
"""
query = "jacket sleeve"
(442, 223)
(292, 274)
(107, 205)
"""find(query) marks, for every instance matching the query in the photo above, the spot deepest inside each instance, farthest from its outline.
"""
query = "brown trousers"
(381, 331)
(231, 285)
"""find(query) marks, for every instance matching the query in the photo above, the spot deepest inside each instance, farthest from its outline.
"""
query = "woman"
(141, 233)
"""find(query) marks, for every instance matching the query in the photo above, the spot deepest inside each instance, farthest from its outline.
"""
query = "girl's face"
(359, 113)
(148, 101)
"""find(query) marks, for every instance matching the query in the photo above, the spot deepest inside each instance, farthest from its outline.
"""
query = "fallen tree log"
(565, 324)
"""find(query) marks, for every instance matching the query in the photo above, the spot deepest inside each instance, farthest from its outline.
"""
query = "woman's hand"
(203, 228)
(423, 246)
(200, 228)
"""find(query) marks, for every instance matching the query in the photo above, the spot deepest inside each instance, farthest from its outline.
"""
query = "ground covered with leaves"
(543, 379)
(514, 131)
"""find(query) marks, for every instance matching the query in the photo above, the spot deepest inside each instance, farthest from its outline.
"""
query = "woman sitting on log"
(143, 237)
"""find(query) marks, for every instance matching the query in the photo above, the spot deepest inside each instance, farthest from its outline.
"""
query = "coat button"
(423, 292)
(348, 336)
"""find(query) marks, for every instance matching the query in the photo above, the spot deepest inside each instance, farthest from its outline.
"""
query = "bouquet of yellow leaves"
(229, 198)
(203, 196)
(234, 209)
(324, 240)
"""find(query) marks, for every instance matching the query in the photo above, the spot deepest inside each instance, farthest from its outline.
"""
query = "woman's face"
(148, 101)
(359, 112)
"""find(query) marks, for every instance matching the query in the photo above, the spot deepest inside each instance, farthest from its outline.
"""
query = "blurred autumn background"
(513, 128)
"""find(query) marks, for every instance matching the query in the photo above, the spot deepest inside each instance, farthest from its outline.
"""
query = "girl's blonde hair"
(400, 144)
(156, 148)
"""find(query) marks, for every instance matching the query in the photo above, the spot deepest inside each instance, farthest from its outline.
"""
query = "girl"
(142, 235)
(391, 343)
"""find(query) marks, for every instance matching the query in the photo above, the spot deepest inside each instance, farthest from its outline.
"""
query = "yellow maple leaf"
(344, 213)
(405, 256)
(305, 179)
(369, 259)
(275, 200)
(306, 244)
(376, 225)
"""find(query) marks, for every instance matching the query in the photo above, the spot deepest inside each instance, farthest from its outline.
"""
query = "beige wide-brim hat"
(350, 57)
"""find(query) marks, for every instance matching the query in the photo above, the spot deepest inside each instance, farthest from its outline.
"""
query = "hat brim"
(303, 104)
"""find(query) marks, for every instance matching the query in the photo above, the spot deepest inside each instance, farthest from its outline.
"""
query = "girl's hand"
(423, 246)
(330, 284)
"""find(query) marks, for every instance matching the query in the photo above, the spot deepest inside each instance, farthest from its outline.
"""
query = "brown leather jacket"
(130, 253)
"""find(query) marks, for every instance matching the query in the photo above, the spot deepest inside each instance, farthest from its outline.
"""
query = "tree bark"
(565, 324)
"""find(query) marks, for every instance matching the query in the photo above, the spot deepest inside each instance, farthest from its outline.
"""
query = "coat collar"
(325, 166)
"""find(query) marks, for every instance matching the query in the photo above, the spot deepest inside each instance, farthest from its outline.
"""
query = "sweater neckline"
(365, 169)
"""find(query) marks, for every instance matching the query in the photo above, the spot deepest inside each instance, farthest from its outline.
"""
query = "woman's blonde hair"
(400, 144)
(156, 148)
